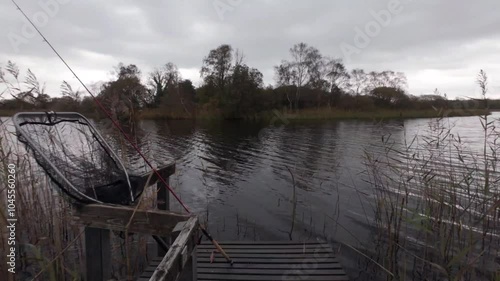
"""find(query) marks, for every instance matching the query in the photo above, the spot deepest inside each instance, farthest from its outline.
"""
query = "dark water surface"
(236, 175)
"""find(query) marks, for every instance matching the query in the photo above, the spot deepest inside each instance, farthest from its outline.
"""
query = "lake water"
(237, 175)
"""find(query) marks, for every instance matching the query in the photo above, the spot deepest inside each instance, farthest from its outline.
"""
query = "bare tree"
(283, 77)
(337, 76)
(239, 58)
(374, 80)
(358, 81)
(303, 69)
(394, 79)
(161, 79)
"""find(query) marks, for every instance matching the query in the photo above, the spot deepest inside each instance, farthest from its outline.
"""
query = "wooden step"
(264, 260)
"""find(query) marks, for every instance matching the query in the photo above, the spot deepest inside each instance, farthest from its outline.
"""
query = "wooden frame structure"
(99, 219)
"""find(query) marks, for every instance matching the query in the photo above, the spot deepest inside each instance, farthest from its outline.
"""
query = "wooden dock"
(264, 261)
(184, 260)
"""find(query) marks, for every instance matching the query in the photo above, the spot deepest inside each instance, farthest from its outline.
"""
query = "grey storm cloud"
(438, 44)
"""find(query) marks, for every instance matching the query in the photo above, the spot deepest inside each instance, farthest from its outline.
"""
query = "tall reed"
(50, 244)
(437, 203)
(44, 228)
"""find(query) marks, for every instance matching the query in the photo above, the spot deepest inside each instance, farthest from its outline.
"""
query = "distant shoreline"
(307, 114)
(384, 114)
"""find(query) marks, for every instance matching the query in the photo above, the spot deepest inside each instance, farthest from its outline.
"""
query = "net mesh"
(77, 158)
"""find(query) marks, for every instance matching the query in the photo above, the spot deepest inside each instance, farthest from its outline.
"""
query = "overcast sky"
(437, 43)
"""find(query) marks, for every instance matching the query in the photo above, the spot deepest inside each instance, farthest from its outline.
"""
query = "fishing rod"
(127, 137)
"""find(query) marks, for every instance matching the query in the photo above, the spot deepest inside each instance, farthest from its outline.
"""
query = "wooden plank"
(269, 277)
(295, 246)
(332, 265)
(194, 269)
(155, 263)
(264, 243)
(173, 262)
(165, 171)
(298, 278)
(275, 261)
(272, 251)
(98, 253)
(288, 271)
(158, 259)
(150, 268)
(117, 217)
(319, 256)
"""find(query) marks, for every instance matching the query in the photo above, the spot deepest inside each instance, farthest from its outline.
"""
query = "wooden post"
(163, 203)
(98, 254)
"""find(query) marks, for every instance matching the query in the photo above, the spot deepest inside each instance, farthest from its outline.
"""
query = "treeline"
(231, 89)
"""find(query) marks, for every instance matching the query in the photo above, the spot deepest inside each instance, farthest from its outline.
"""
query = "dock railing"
(100, 219)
